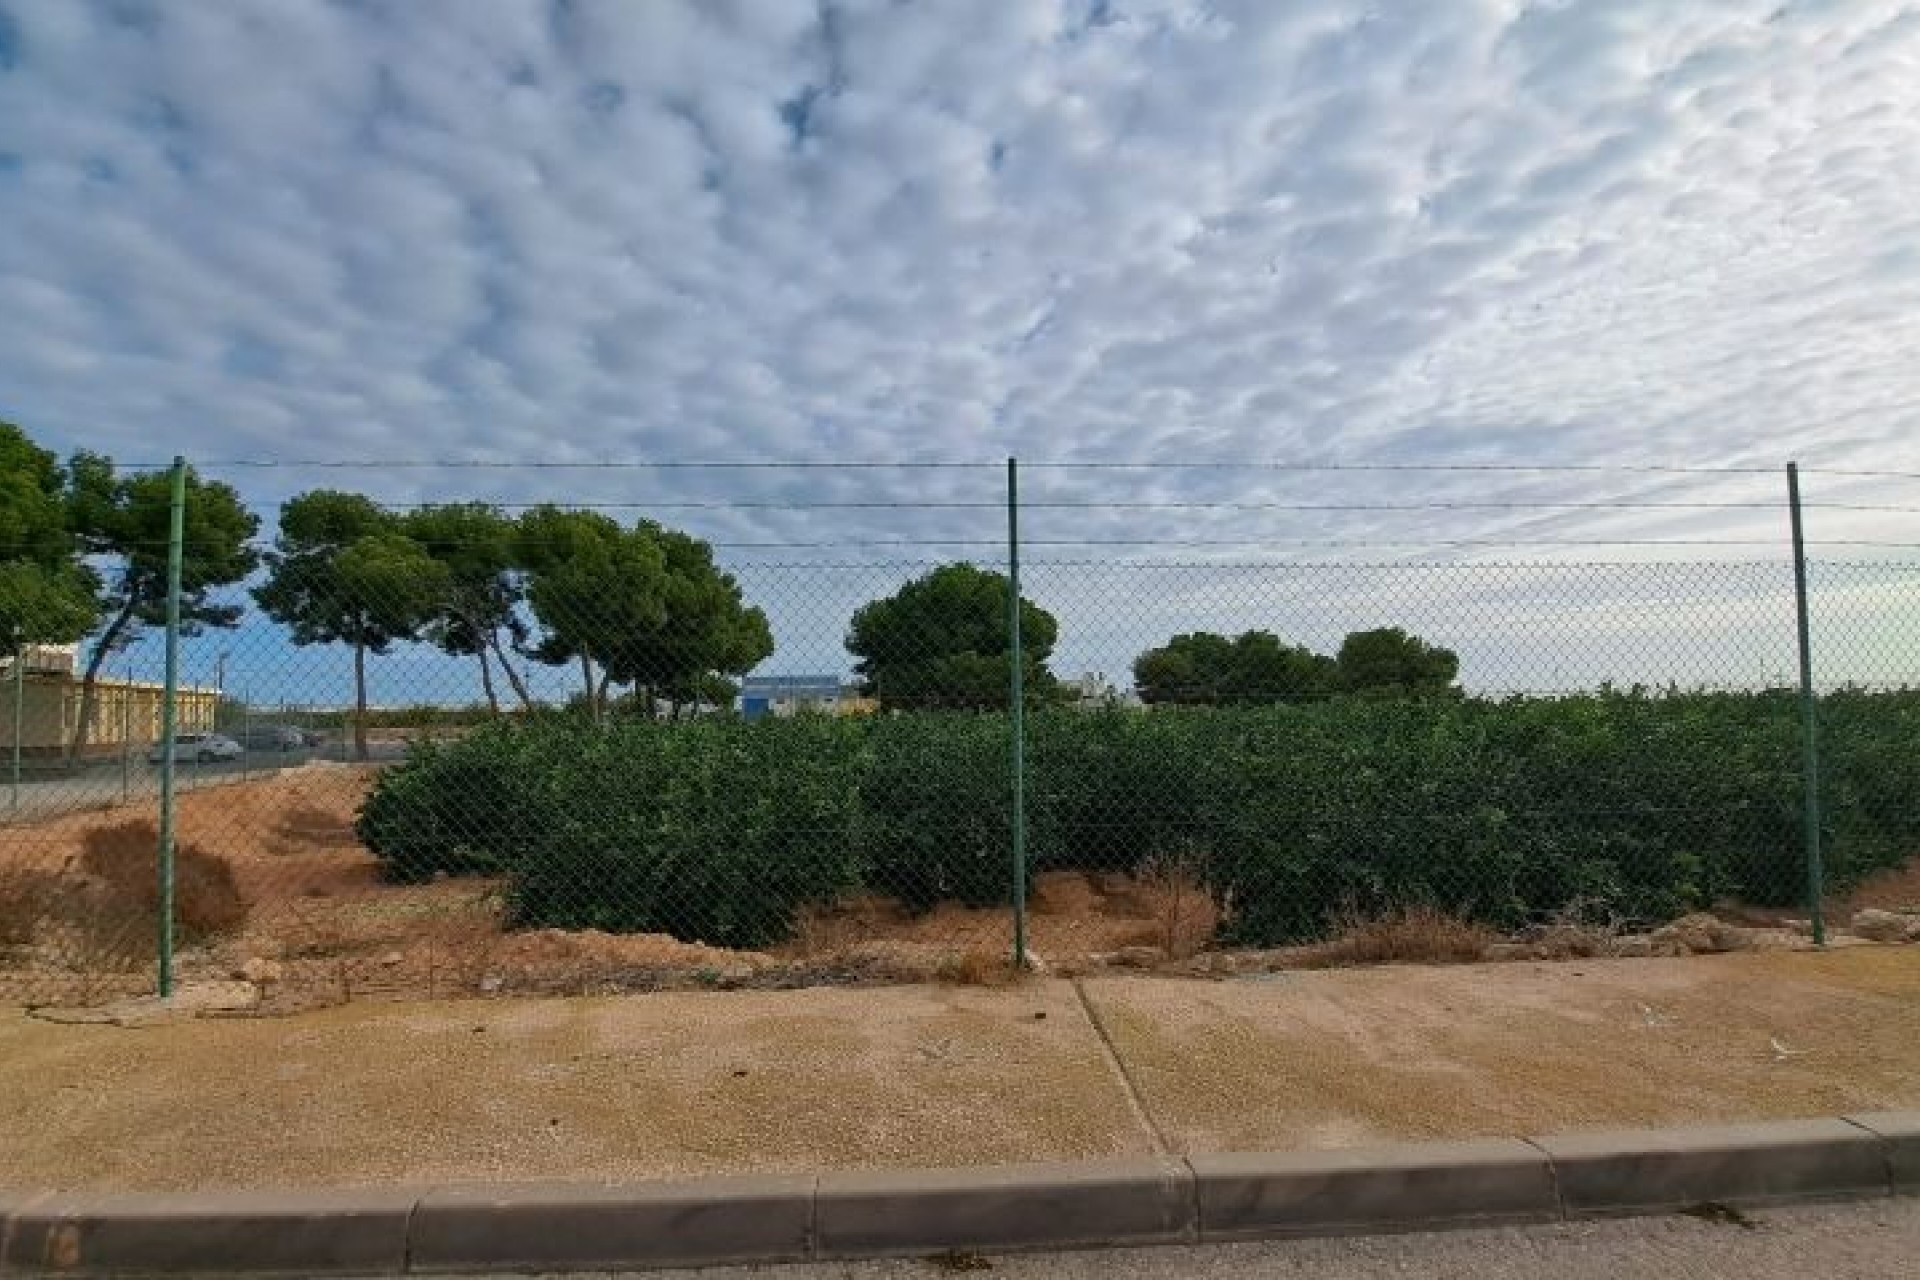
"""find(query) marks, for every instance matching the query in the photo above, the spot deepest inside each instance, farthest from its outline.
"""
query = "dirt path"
(683, 1084)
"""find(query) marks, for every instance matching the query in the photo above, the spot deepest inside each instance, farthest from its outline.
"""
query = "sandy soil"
(683, 1084)
(675, 1083)
(1365, 1055)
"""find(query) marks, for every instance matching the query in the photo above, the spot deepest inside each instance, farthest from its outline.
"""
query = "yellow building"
(124, 712)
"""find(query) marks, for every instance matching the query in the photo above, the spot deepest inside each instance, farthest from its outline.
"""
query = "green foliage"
(1389, 662)
(718, 830)
(454, 808)
(474, 543)
(706, 630)
(125, 522)
(590, 584)
(343, 572)
(46, 594)
(647, 604)
(1256, 669)
(1253, 669)
(305, 589)
(934, 804)
(394, 587)
(126, 519)
(1502, 811)
(941, 641)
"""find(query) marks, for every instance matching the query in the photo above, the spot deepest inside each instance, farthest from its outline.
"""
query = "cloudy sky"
(1508, 232)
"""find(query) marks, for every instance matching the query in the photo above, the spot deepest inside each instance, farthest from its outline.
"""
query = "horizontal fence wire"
(551, 742)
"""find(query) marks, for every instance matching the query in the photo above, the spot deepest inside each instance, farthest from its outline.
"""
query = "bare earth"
(335, 932)
(684, 1084)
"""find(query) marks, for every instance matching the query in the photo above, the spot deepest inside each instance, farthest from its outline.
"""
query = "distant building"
(1093, 690)
(785, 695)
(125, 713)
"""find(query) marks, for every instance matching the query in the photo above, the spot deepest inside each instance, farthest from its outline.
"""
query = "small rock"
(191, 1000)
(392, 958)
(1876, 925)
(491, 983)
(1700, 934)
(1913, 928)
(261, 971)
(1632, 946)
(1504, 952)
(1139, 957)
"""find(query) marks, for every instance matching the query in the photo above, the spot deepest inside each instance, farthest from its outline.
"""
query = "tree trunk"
(95, 661)
(600, 697)
(486, 681)
(513, 677)
(359, 699)
(586, 686)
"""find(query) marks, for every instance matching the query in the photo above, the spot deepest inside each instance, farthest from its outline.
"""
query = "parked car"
(272, 737)
(203, 747)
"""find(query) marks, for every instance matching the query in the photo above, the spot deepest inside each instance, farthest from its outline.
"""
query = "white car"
(203, 747)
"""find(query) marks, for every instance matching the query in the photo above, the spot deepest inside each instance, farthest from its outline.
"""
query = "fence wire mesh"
(429, 749)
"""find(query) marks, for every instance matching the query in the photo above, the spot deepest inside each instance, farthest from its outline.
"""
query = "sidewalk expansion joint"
(1136, 1100)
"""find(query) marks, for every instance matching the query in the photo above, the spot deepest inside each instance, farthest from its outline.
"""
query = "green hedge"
(721, 829)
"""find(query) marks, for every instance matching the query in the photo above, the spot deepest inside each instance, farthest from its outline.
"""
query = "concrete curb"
(560, 1226)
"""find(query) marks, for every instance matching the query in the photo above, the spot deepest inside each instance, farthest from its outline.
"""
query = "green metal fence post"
(1017, 718)
(176, 540)
(19, 708)
(1809, 718)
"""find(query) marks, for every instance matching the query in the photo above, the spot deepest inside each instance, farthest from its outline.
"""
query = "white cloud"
(1497, 231)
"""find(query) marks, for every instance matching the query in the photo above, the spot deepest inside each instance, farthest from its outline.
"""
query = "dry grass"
(1172, 892)
(977, 967)
(824, 930)
(27, 897)
(1406, 935)
(206, 896)
(1577, 931)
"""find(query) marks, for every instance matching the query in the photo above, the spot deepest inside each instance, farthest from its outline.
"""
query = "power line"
(1126, 505)
(1309, 542)
(993, 465)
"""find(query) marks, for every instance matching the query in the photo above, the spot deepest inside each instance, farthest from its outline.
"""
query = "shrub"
(27, 897)
(1641, 805)
(206, 897)
(934, 810)
(456, 807)
(714, 830)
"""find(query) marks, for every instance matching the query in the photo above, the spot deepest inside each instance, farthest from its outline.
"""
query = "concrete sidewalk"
(686, 1085)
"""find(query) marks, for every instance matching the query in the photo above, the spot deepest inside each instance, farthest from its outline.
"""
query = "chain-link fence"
(431, 748)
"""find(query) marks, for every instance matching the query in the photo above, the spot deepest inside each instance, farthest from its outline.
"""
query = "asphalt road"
(1879, 1239)
(106, 782)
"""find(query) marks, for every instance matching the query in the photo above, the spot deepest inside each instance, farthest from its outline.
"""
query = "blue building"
(784, 695)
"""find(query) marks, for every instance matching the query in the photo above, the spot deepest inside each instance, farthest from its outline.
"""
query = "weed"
(206, 897)
(1173, 892)
(27, 897)
(976, 967)
(1408, 935)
